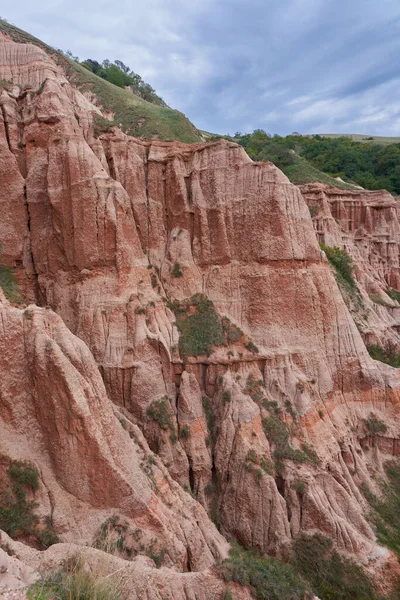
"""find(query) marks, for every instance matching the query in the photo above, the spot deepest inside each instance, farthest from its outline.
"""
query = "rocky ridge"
(130, 252)
(366, 225)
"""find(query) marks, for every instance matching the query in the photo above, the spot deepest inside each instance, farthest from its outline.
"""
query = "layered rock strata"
(126, 241)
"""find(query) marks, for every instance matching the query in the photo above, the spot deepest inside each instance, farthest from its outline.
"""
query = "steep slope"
(134, 115)
(366, 225)
(192, 278)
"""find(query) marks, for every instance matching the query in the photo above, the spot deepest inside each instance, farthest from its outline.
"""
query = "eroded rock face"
(123, 238)
(365, 224)
(55, 411)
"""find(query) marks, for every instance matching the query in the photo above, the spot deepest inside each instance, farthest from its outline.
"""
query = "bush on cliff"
(386, 509)
(388, 355)
(269, 578)
(8, 283)
(201, 329)
(332, 576)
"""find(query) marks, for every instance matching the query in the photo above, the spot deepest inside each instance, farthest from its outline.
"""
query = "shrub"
(253, 388)
(210, 418)
(16, 512)
(176, 270)
(184, 432)
(269, 578)
(252, 456)
(393, 294)
(299, 486)
(252, 347)
(199, 331)
(331, 576)
(386, 511)
(378, 300)
(161, 411)
(111, 536)
(313, 210)
(342, 262)
(278, 435)
(388, 355)
(231, 331)
(47, 537)
(210, 489)
(375, 426)
(24, 474)
(227, 396)
(267, 466)
(8, 283)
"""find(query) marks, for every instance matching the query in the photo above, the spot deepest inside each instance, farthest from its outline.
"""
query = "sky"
(311, 66)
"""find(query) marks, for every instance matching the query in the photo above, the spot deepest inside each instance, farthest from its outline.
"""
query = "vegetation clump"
(200, 330)
(75, 582)
(342, 262)
(184, 432)
(269, 578)
(332, 577)
(210, 418)
(386, 510)
(388, 355)
(278, 435)
(9, 284)
(254, 388)
(17, 516)
(393, 294)
(227, 396)
(101, 125)
(177, 270)
(122, 76)
(161, 412)
(231, 331)
(375, 426)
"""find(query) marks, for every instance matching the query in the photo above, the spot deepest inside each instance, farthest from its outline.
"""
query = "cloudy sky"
(328, 66)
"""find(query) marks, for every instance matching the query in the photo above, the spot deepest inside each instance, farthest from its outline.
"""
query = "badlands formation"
(183, 356)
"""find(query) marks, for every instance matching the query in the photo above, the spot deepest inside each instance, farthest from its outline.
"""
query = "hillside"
(337, 161)
(135, 116)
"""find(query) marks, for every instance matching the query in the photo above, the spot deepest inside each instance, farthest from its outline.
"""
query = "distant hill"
(324, 158)
(358, 137)
(137, 117)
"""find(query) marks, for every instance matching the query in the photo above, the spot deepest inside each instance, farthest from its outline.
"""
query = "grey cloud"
(235, 65)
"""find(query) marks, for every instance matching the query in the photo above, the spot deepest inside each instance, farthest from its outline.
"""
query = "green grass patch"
(302, 172)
